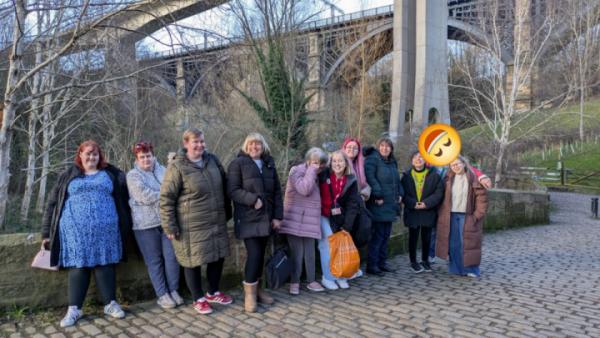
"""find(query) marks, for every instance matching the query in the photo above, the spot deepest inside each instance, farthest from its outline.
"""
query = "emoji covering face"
(439, 144)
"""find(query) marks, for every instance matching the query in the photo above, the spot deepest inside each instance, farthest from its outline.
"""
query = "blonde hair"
(192, 133)
(256, 137)
(348, 170)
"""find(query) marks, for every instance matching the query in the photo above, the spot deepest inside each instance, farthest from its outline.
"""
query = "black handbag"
(278, 268)
(361, 231)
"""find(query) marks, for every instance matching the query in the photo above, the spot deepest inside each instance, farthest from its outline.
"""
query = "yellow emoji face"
(439, 144)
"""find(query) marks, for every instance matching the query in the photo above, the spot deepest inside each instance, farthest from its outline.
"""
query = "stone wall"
(22, 286)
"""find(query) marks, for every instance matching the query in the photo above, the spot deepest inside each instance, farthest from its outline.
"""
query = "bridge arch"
(457, 30)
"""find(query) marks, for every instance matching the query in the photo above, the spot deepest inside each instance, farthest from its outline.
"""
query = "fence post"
(563, 172)
(595, 207)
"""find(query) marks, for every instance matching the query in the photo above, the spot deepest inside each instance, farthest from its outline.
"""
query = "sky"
(193, 30)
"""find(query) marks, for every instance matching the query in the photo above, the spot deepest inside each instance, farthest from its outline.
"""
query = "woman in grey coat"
(143, 183)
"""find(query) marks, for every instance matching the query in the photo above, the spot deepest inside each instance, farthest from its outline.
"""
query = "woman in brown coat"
(460, 220)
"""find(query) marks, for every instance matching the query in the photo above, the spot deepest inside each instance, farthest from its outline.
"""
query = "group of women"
(179, 216)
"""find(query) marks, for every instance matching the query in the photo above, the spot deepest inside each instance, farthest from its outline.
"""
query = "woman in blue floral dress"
(85, 222)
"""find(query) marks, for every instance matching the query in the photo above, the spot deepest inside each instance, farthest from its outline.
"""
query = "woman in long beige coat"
(194, 210)
(460, 220)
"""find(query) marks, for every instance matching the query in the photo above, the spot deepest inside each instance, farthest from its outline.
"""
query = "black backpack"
(361, 231)
(278, 269)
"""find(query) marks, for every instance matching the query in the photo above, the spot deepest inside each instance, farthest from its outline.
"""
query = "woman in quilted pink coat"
(301, 217)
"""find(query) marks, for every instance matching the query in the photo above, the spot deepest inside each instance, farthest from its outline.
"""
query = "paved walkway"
(537, 281)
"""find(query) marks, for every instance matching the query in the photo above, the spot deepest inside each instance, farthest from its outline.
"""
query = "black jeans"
(255, 258)
(79, 282)
(413, 237)
(193, 278)
(378, 246)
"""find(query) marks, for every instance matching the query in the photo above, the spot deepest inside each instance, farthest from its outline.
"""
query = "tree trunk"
(11, 103)
(499, 164)
(32, 133)
(26, 201)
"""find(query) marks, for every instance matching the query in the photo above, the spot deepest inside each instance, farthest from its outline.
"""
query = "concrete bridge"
(330, 47)
(414, 32)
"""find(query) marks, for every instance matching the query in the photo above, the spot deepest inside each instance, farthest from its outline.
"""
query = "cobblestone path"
(541, 281)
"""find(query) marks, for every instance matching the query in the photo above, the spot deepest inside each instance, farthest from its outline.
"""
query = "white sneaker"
(472, 275)
(343, 283)
(166, 302)
(114, 310)
(358, 274)
(329, 284)
(72, 316)
(176, 298)
(431, 260)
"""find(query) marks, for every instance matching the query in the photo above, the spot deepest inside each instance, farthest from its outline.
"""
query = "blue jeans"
(455, 264)
(160, 259)
(324, 250)
(378, 246)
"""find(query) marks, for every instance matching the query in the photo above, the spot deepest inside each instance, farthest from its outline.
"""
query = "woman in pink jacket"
(301, 217)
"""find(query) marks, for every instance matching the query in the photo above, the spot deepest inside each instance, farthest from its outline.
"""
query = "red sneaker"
(202, 307)
(219, 298)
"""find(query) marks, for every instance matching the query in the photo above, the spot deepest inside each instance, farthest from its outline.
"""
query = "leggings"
(413, 237)
(79, 281)
(193, 278)
(255, 258)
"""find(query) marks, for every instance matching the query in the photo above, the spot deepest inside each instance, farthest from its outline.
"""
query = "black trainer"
(416, 267)
(386, 268)
(374, 271)
(426, 266)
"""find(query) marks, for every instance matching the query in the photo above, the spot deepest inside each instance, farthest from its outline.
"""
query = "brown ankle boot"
(262, 296)
(250, 296)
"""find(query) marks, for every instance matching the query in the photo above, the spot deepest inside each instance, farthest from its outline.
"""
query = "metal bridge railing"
(307, 26)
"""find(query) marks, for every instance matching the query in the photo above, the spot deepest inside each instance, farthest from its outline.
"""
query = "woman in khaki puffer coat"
(194, 210)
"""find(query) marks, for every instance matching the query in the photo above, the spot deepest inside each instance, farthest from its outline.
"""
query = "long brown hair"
(90, 143)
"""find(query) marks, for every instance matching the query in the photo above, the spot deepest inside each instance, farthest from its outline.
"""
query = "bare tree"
(505, 86)
(37, 82)
(580, 43)
(270, 27)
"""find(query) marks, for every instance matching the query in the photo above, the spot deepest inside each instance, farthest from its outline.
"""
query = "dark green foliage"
(285, 110)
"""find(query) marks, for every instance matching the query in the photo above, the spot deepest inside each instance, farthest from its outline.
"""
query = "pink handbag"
(42, 260)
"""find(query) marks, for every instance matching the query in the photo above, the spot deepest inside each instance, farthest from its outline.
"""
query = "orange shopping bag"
(344, 259)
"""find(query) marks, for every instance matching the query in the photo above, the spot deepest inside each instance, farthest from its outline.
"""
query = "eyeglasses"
(351, 148)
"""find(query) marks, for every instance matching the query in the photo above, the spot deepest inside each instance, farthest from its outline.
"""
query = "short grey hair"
(316, 153)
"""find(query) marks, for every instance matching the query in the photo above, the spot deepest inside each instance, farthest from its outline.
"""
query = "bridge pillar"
(420, 67)
(180, 84)
(431, 67)
(315, 130)
(120, 61)
(314, 73)
(403, 78)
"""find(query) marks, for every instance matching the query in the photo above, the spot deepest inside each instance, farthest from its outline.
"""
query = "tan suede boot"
(250, 296)
(263, 296)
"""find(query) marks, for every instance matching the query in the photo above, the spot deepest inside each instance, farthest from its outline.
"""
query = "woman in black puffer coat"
(423, 193)
(254, 188)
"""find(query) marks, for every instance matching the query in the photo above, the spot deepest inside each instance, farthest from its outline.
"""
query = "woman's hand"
(379, 202)
(258, 204)
(276, 224)
(45, 242)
